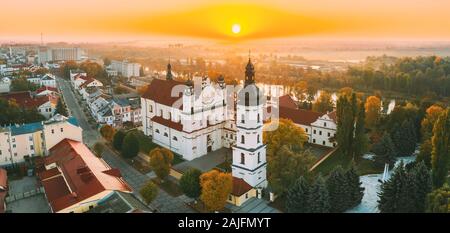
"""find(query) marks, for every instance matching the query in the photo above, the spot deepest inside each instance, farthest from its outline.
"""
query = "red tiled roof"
(240, 187)
(333, 116)
(287, 102)
(84, 174)
(25, 100)
(173, 125)
(160, 91)
(299, 116)
(48, 173)
(44, 88)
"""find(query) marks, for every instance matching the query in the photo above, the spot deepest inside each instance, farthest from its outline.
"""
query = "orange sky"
(212, 19)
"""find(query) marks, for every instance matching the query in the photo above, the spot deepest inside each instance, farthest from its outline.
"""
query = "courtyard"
(25, 196)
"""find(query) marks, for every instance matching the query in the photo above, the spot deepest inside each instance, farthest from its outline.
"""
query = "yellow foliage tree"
(216, 187)
(161, 161)
(107, 132)
(286, 134)
(373, 111)
(432, 114)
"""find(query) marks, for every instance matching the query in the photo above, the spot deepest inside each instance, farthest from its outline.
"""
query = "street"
(163, 202)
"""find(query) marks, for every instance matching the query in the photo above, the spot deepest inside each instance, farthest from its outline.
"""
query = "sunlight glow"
(236, 28)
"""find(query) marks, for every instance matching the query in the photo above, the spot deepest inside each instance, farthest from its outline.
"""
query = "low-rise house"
(74, 73)
(45, 105)
(76, 181)
(89, 93)
(46, 90)
(20, 142)
(43, 80)
(89, 82)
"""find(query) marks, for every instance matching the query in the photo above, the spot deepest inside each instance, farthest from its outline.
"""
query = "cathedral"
(195, 117)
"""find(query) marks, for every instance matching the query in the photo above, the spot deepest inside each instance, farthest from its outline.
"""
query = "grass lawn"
(169, 186)
(363, 166)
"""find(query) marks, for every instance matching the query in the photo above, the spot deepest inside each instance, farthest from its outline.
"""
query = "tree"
(190, 183)
(149, 192)
(318, 198)
(441, 149)
(106, 61)
(66, 67)
(425, 152)
(346, 113)
(338, 190)
(385, 151)
(421, 177)
(98, 149)
(216, 187)
(118, 140)
(393, 192)
(107, 132)
(286, 134)
(284, 166)
(324, 103)
(406, 190)
(22, 84)
(438, 201)
(360, 140)
(130, 146)
(432, 114)
(355, 189)
(300, 90)
(61, 108)
(404, 138)
(373, 111)
(297, 196)
(160, 161)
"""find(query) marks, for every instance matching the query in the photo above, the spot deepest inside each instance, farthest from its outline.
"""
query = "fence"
(19, 196)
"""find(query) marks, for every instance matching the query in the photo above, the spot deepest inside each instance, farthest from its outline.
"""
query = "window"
(242, 119)
(157, 130)
(230, 197)
(242, 139)
(161, 112)
(166, 135)
(0, 152)
(242, 158)
(151, 108)
(329, 134)
(259, 157)
(14, 140)
(306, 130)
(323, 143)
(324, 124)
(30, 138)
(258, 120)
(53, 131)
(247, 99)
(314, 140)
(14, 145)
(246, 195)
(192, 110)
(320, 132)
(31, 147)
(258, 139)
(314, 131)
(175, 138)
(62, 130)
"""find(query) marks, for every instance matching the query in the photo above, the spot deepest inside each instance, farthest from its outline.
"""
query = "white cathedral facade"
(195, 117)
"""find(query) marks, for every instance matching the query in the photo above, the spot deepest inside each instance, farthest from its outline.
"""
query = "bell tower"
(249, 153)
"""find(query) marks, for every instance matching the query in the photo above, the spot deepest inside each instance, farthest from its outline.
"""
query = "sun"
(236, 28)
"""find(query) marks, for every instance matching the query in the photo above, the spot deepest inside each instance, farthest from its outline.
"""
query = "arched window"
(258, 139)
(242, 158)
(166, 135)
(242, 118)
(157, 130)
(175, 138)
(258, 118)
(242, 139)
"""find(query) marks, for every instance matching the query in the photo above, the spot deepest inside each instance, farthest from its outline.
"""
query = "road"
(163, 202)
(90, 136)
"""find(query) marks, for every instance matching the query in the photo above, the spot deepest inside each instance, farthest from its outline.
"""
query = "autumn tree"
(61, 108)
(161, 161)
(431, 116)
(149, 192)
(216, 187)
(438, 201)
(324, 103)
(373, 111)
(441, 149)
(286, 134)
(300, 91)
(107, 132)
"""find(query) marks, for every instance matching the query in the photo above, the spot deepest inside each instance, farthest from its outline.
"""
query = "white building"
(5, 85)
(48, 80)
(19, 142)
(125, 68)
(47, 54)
